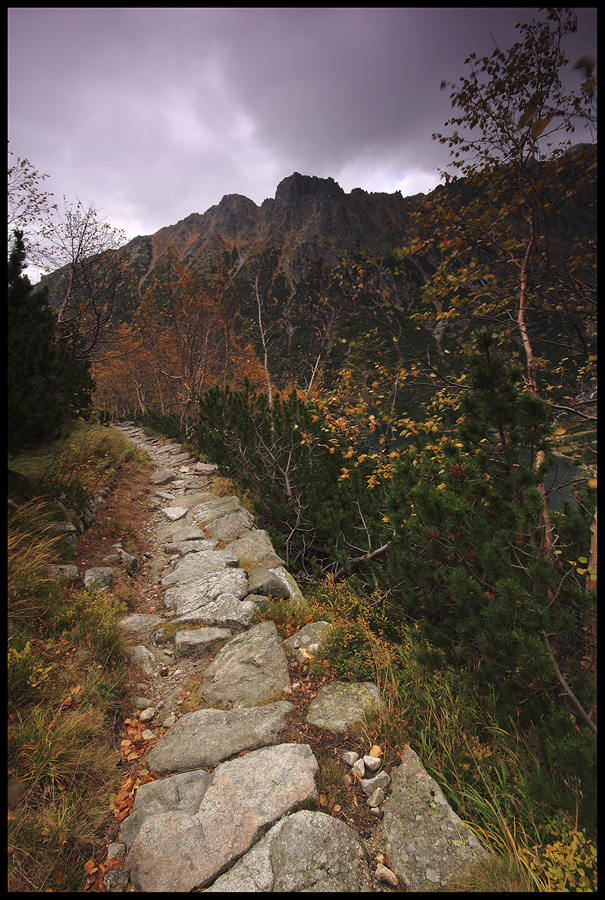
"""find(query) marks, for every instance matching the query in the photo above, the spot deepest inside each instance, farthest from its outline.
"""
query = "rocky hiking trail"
(233, 732)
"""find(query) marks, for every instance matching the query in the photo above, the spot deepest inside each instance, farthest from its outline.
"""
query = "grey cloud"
(157, 113)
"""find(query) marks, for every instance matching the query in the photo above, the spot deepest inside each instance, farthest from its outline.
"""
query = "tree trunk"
(532, 382)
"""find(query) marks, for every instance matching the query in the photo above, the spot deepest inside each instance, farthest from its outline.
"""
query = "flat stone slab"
(249, 670)
(205, 513)
(225, 612)
(307, 851)
(191, 500)
(195, 594)
(174, 512)
(342, 703)
(140, 622)
(205, 468)
(180, 851)
(164, 476)
(199, 641)
(255, 549)
(196, 564)
(187, 533)
(426, 842)
(207, 737)
(232, 525)
(191, 546)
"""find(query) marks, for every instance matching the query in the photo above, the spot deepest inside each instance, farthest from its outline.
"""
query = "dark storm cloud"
(156, 113)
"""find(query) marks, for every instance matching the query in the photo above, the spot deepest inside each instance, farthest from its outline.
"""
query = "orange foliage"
(179, 343)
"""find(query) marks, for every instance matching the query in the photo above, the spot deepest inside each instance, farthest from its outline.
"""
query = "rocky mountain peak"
(295, 187)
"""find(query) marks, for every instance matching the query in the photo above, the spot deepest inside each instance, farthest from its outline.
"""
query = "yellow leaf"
(540, 126)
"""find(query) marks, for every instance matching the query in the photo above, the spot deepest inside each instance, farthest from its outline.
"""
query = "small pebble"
(376, 797)
(386, 875)
(358, 768)
(349, 757)
(372, 763)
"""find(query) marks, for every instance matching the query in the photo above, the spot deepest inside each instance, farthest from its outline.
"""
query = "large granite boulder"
(180, 850)
(307, 851)
(426, 842)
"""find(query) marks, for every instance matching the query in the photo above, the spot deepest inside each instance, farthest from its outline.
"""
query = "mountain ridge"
(309, 217)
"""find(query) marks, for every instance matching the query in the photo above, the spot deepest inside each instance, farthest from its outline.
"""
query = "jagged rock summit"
(309, 218)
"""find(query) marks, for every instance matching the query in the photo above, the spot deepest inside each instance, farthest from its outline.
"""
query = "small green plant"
(26, 672)
(91, 617)
(289, 615)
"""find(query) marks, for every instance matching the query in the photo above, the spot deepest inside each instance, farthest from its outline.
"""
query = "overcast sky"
(152, 114)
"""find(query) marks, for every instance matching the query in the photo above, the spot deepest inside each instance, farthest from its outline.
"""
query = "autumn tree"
(28, 206)
(514, 262)
(179, 342)
(88, 284)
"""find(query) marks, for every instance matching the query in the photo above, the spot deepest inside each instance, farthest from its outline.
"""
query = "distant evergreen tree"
(46, 384)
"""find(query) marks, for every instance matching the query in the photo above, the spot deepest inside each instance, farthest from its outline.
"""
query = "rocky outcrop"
(427, 843)
(225, 811)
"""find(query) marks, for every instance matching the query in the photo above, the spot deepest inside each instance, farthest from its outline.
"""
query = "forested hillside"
(399, 385)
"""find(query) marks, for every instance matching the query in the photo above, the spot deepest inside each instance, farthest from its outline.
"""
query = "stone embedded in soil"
(255, 549)
(174, 512)
(225, 611)
(187, 533)
(164, 476)
(140, 622)
(186, 547)
(340, 704)
(263, 581)
(232, 525)
(195, 565)
(249, 670)
(199, 641)
(193, 595)
(206, 737)
(427, 843)
(99, 578)
(308, 636)
(205, 513)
